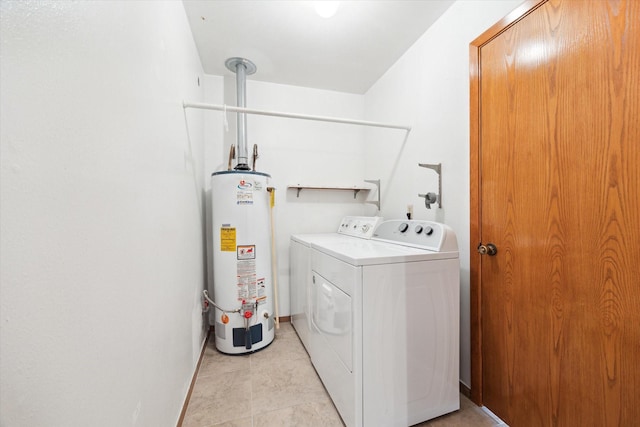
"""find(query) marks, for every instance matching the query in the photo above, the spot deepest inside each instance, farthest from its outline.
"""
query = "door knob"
(488, 249)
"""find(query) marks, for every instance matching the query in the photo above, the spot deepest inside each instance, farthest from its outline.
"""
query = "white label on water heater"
(244, 196)
(261, 291)
(247, 284)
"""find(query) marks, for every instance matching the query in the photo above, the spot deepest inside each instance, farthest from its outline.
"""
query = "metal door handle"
(488, 249)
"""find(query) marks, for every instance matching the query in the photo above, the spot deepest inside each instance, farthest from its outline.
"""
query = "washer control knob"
(403, 227)
(428, 231)
(366, 228)
(418, 229)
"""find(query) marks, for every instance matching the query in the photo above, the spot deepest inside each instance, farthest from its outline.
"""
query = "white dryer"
(360, 227)
(384, 323)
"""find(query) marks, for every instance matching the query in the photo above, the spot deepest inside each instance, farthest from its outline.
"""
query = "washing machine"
(383, 322)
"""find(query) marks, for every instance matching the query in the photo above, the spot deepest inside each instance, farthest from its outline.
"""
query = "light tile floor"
(277, 386)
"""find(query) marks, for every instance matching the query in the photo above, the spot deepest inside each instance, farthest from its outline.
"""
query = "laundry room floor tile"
(215, 363)
(285, 384)
(307, 414)
(278, 387)
(220, 398)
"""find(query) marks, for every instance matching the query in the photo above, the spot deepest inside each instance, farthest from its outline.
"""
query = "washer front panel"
(383, 320)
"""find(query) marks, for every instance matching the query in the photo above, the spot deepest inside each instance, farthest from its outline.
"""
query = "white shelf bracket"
(377, 184)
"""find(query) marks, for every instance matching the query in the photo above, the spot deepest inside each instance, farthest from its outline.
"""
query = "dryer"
(383, 322)
(350, 227)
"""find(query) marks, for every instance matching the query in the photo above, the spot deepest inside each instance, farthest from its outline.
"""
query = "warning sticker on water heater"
(247, 252)
(227, 239)
(246, 269)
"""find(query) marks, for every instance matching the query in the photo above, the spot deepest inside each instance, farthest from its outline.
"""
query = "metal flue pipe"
(242, 67)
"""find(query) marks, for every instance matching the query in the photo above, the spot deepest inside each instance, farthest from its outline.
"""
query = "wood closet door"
(558, 194)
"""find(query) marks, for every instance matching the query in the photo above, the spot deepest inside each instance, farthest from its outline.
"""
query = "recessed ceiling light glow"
(327, 9)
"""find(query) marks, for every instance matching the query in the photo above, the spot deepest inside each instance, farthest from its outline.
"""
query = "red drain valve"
(248, 314)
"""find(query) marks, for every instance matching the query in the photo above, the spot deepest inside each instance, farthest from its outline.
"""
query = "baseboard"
(193, 379)
(465, 390)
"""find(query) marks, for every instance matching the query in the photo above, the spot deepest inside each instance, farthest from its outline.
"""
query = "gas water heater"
(243, 290)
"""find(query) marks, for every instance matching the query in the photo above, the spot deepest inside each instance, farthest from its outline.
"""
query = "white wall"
(296, 151)
(429, 89)
(101, 225)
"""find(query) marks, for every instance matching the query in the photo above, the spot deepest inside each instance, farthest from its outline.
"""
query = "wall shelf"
(355, 188)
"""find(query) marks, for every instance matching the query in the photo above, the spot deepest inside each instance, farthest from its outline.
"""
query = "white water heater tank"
(242, 277)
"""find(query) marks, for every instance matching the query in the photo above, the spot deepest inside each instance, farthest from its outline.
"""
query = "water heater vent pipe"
(243, 68)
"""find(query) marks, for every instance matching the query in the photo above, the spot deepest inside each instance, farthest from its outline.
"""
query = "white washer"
(383, 322)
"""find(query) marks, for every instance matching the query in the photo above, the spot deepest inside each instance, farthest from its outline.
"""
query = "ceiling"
(291, 44)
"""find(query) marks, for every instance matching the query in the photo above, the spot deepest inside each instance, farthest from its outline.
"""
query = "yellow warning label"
(227, 239)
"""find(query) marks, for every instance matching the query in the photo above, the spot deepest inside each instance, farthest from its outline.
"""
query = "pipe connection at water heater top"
(243, 68)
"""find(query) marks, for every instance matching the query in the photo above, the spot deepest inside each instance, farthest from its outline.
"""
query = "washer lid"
(359, 252)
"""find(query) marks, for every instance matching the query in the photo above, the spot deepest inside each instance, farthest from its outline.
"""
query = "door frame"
(475, 175)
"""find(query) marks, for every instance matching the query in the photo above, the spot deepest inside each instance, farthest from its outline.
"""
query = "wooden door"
(556, 187)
